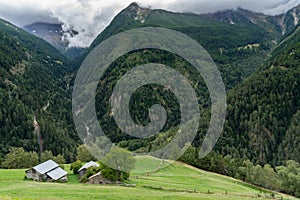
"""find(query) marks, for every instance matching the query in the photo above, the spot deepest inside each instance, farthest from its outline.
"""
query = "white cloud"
(90, 17)
(282, 6)
(271, 7)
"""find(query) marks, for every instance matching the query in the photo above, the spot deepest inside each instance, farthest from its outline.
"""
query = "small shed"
(47, 171)
(84, 168)
(98, 179)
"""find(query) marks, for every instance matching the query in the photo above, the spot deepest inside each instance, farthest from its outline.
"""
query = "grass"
(146, 164)
(177, 181)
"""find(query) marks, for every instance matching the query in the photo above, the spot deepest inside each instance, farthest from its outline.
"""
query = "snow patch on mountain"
(231, 22)
(296, 19)
(141, 13)
(252, 21)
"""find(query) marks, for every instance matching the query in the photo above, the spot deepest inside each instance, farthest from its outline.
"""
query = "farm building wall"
(34, 175)
(98, 179)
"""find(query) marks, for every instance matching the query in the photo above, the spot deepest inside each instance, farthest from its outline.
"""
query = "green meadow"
(176, 181)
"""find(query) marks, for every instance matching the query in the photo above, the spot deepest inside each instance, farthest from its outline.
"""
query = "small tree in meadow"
(117, 164)
(75, 166)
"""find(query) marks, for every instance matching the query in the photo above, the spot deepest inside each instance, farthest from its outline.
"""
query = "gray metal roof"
(57, 173)
(46, 166)
(89, 164)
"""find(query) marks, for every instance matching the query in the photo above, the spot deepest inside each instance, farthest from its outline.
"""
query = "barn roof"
(89, 164)
(57, 173)
(46, 166)
(95, 175)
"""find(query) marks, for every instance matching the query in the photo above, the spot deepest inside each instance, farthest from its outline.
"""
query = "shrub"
(75, 166)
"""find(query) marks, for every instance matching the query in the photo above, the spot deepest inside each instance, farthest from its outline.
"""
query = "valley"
(258, 56)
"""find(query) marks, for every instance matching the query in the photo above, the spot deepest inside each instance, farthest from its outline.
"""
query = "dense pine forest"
(34, 84)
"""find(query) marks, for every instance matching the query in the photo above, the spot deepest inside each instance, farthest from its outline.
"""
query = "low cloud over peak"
(90, 17)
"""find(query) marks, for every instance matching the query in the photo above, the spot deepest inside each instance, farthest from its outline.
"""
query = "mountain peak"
(136, 12)
(297, 7)
(134, 4)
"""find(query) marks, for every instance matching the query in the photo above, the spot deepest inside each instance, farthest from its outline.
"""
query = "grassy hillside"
(177, 181)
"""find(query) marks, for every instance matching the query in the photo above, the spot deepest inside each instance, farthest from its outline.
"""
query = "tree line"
(284, 178)
(18, 158)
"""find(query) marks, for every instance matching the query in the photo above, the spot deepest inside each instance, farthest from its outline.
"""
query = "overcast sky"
(90, 17)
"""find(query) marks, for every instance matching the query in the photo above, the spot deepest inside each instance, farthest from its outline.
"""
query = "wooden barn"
(98, 179)
(47, 171)
(84, 168)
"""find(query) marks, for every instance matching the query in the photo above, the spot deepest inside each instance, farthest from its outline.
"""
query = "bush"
(83, 179)
(75, 166)
(59, 159)
(125, 176)
(109, 174)
(114, 175)
(90, 172)
(83, 154)
(46, 155)
(18, 158)
(1, 160)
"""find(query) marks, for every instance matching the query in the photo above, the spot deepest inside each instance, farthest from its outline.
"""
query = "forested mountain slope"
(238, 49)
(33, 85)
(260, 109)
(263, 112)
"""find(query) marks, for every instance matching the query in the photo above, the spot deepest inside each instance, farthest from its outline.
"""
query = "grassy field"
(177, 181)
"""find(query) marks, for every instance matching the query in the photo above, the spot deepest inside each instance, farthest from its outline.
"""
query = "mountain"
(289, 20)
(277, 26)
(241, 42)
(237, 49)
(258, 56)
(55, 35)
(35, 111)
(263, 112)
(52, 33)
(34, 77)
